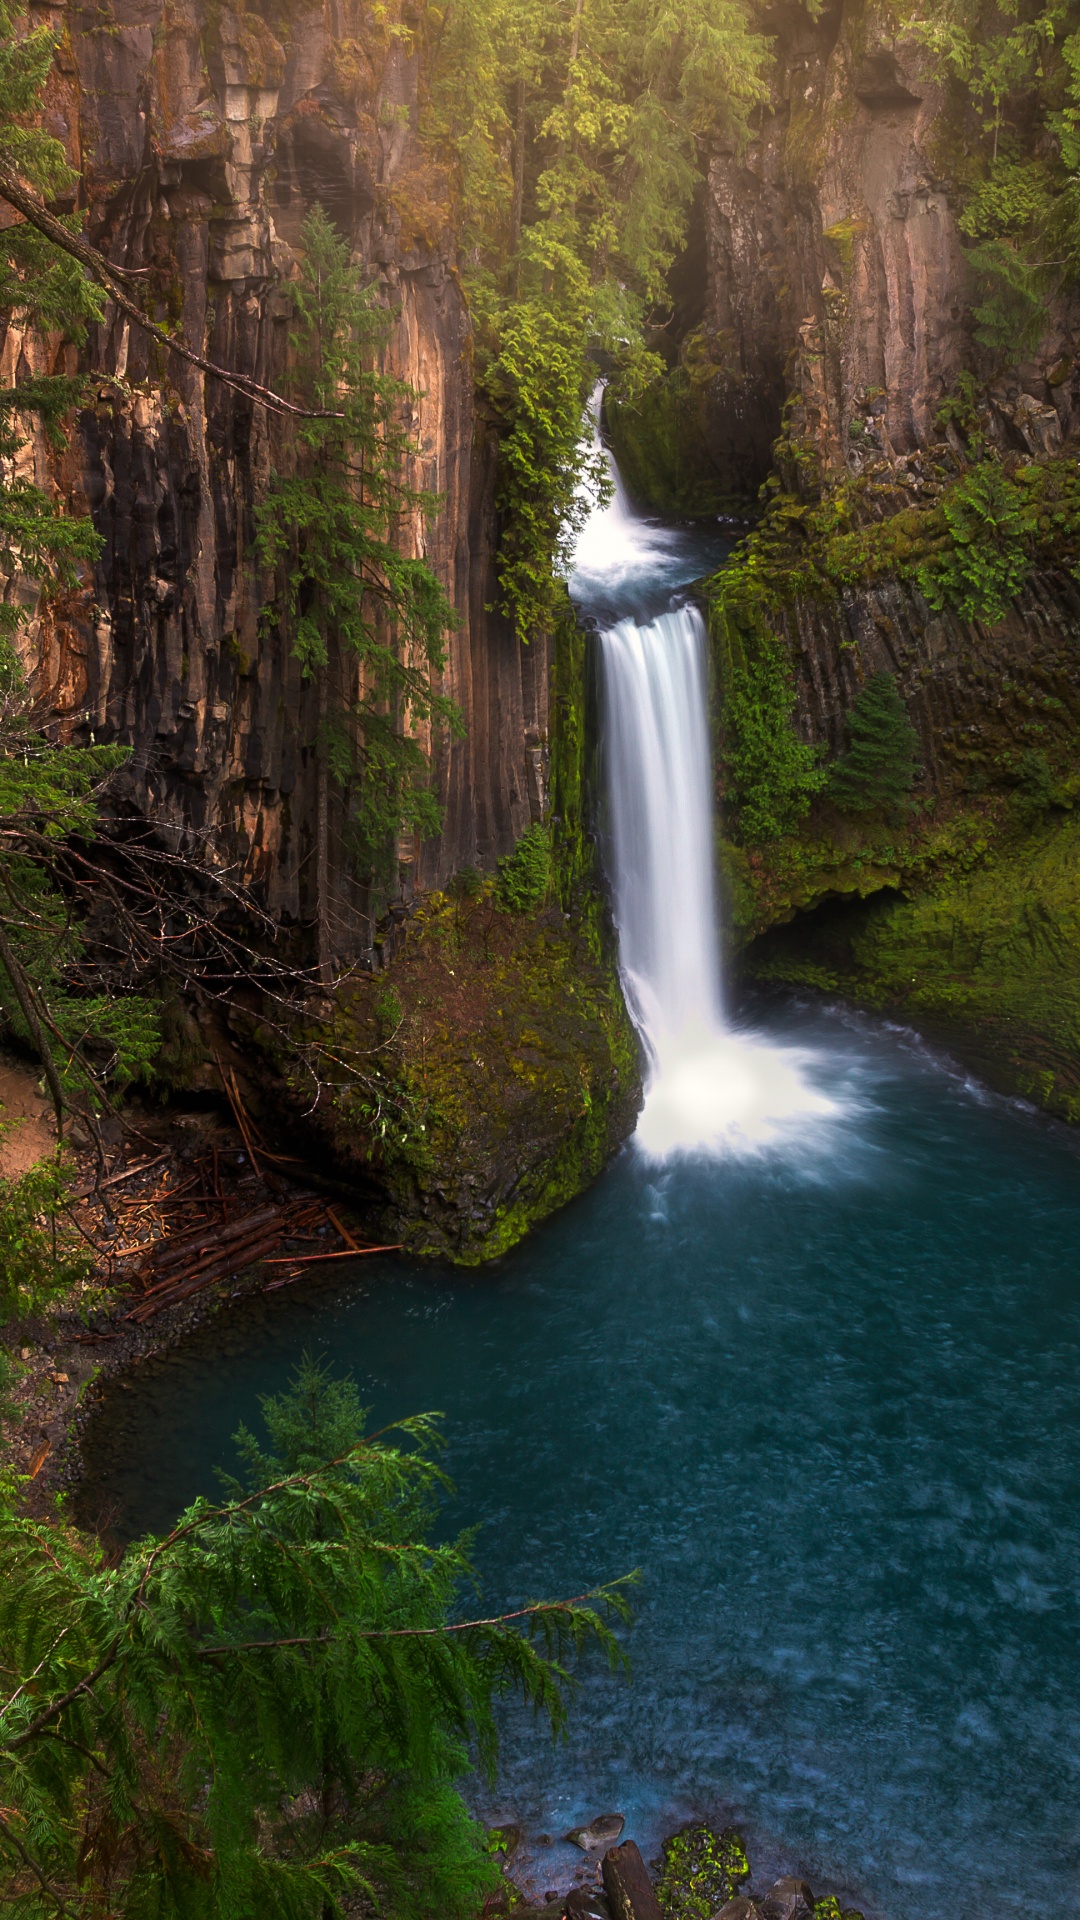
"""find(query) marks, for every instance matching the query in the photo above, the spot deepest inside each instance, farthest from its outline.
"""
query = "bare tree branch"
(111, 278)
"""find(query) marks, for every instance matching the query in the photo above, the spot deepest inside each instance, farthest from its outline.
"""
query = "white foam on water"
(709, 1087)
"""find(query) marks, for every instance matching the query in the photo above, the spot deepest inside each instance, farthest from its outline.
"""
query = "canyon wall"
(838, 299)
(203, 136)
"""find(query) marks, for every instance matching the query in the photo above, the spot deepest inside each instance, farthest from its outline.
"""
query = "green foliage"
(577, 136)
(266, 1710)
(389, 1011)
(467, 883)
(986, 561)
(1037, 790)
(771, 775)
(346, 595)
(47, 795)
(1016, 68)
(701, 1871)
(525, 874)
(40, 1256)
(877, 772)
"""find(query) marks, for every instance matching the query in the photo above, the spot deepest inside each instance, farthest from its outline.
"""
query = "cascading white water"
(657, 751)
(708, 1086)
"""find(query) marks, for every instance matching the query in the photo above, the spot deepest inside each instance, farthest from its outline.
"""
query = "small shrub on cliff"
(525, 874)
(877, 772)
(985, 562)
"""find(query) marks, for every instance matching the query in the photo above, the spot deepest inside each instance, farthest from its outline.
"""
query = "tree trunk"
(322, 832)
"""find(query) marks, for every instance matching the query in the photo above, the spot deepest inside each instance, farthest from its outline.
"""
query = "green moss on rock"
(701, 1870)
(986, 959)
(659, 441)
(478, 1086)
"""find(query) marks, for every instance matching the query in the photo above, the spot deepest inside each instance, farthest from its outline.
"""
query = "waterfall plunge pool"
(829, 1401)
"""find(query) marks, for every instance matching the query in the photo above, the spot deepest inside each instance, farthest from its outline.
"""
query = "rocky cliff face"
(838, 317)
(837, 281)
(203, 136)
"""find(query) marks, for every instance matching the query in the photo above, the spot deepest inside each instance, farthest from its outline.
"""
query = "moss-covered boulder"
(475, 1086)
(700, 1871)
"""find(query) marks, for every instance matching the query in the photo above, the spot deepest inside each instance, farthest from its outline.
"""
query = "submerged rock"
(602, 1832)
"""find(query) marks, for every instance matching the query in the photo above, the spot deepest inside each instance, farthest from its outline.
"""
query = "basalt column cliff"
(203, 137)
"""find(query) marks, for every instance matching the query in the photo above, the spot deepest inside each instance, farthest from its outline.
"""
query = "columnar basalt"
(203, 137)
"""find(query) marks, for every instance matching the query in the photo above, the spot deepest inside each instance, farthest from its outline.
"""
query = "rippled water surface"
(826, 1396)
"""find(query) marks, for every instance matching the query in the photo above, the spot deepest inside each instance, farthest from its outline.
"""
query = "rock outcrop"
(838, 287)
(203, 136)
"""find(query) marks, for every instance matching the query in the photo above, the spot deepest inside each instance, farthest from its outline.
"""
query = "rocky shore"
(701, 1873)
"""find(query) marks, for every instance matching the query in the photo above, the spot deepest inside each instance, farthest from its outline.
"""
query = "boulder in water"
(631, 1894)
(600, 1833)
(741, 1908)
(788, 1899)
(587, 1903)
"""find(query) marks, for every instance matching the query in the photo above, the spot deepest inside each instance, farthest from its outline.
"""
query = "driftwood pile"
(176, 1228)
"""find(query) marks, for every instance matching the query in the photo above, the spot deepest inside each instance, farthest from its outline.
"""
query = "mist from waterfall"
(709, 1086)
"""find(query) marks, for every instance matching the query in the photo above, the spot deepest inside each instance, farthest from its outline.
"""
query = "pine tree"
(346, 593)
(267, 1708)
(877, 772)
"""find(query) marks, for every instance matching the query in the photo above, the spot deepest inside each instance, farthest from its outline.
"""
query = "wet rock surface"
(204, 136)
(630, 1892)
(693, 1879)
(600, 1833)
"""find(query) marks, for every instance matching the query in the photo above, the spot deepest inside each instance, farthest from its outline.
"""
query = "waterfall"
(709, 1086)
(659, 776)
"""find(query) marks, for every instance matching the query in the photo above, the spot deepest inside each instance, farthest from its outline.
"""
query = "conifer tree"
(267, 1708)
(877, 772)
(346, 592)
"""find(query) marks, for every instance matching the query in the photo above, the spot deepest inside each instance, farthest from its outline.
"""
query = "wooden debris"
(174, 1227)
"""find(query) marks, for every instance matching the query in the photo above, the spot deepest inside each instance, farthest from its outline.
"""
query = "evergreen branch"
(53, 1712)
(111, 278)
(28, 1861)
(544, 1607)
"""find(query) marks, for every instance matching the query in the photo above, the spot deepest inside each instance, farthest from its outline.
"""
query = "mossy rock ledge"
(469, 1090)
